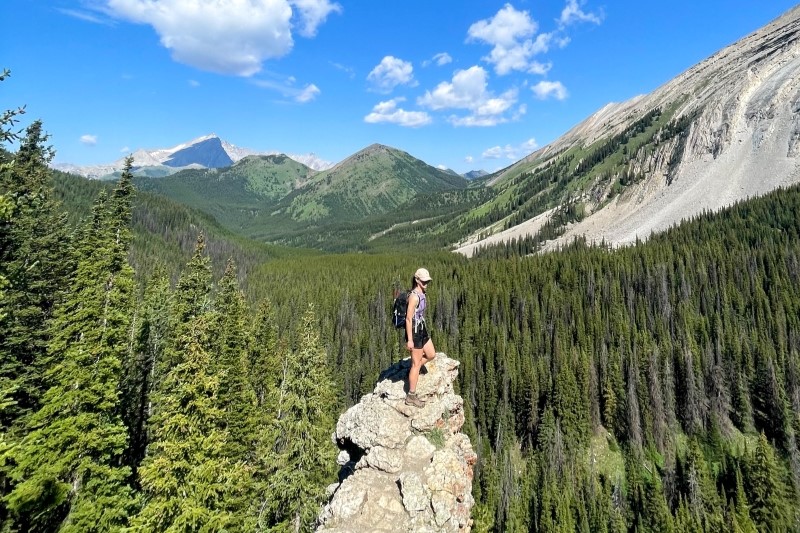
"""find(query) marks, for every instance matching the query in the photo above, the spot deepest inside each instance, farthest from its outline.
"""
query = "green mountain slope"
(165, 229)
(236, 194)
(370, 182)
(274, 199)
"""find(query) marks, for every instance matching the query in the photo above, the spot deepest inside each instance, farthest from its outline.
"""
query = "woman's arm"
(413, 301)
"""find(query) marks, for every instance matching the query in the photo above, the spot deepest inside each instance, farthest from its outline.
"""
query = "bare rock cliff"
(404, 468)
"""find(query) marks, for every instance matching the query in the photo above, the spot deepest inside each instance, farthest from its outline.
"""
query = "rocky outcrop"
(404, 468)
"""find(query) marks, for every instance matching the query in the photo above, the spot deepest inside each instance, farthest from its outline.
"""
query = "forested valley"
(147, 387)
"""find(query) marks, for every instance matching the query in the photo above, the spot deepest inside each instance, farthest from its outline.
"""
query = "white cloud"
(344, 68)
(469, 159)
(125, 149)
(546, 89)
(468, 90)
(506, 28)
(89, 140)
(539, 68)
(226, 36)
(86, 16)
(309, 93)
(442, 58)
(511, 32)
(495, 152)
(471, 121)
(390, 73)
(572, 13)
(389, 112)
(287, 90)
(313, 13)
(194, 83)
(508, 151)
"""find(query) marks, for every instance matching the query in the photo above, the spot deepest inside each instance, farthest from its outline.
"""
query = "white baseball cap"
(422, 274)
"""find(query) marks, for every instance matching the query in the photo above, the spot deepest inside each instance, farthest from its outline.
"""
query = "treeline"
(176, 410)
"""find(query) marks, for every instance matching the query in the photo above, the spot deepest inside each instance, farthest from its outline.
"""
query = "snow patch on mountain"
(208, 151)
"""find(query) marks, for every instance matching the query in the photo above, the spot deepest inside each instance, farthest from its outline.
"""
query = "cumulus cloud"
(511, 152)
(514, 40)
(226, 36)
(469, 159)
(572, 13)
(546, 89)
(469, 90)
(511, 33)
(313, 13)
(390, 73)
(389, 112)
(466, 91)
(89, 140)
(307, 94)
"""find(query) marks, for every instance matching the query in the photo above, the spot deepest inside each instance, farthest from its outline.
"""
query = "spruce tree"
(263, 356)
(187, 481)
(35, 262)
(766, 490)
(236, 396)
(67, 467)
(192, 299)
(301, 456)
(152, 336)
(6, 208)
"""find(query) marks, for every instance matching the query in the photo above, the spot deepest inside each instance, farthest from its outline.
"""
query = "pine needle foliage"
(301, 456)
(187, 481)
(67, 467)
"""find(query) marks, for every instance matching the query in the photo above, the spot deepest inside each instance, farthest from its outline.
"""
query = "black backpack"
(399, 309)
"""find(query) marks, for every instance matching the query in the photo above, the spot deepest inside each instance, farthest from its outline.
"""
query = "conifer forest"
(158, 374)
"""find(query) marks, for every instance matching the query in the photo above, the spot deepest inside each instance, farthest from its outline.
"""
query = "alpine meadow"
(178, 337)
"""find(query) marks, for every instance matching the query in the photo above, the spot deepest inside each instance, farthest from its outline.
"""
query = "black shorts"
(420, 334)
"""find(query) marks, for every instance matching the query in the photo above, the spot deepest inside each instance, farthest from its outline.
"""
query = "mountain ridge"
(210, 149)
(726, 129)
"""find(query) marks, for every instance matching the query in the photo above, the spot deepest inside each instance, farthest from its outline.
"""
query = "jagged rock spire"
(404, 468)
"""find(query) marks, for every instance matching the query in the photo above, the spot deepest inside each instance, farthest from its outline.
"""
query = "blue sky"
(459, 84)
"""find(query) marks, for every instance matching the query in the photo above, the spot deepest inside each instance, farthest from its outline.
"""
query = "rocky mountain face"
(475, 174)
(739, 116)
(404, 468)
(208, 151)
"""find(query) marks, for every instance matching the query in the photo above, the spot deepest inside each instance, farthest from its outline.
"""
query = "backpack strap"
(419, 299)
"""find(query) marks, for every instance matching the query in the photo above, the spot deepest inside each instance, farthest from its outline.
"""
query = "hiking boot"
(413, 399)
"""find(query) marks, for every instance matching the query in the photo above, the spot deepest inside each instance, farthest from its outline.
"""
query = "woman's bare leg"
(429, 352)
(416, 364)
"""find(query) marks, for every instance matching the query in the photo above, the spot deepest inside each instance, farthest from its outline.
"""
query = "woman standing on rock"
(418, 341)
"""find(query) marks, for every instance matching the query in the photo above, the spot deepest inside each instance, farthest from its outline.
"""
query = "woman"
(418, 341)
